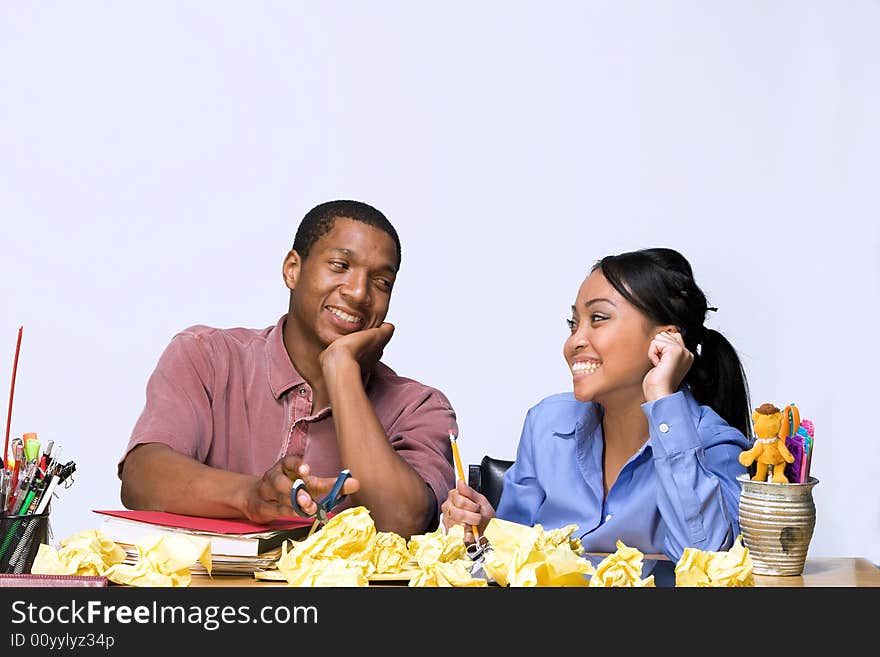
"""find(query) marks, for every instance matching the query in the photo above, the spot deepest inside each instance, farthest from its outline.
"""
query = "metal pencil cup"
(777, 522)
(20, 538)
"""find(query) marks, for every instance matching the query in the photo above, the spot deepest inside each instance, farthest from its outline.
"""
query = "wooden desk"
(828, 572)
(839, 571)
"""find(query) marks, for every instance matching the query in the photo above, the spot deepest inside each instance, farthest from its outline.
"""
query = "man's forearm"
(397, 497)
(155, 477)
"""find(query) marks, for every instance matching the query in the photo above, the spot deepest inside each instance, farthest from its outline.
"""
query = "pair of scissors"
(324, 506)
(476, 549)
(477, 552)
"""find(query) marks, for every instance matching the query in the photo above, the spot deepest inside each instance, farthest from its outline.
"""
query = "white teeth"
(582, 367)
(345, 316)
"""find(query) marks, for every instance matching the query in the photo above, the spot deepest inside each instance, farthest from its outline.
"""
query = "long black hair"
(660, 283)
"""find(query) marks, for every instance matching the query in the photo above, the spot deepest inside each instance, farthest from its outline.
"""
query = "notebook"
(234, 537)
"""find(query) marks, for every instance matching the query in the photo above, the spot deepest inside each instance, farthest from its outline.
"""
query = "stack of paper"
(220, 564)
(237, 546)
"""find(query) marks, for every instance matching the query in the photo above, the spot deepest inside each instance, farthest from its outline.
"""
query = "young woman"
(645, 449)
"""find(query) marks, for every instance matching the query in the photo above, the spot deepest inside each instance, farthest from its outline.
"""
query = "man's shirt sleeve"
(177, 411)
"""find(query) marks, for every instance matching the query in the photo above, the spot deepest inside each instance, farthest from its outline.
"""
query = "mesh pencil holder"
(20, 539)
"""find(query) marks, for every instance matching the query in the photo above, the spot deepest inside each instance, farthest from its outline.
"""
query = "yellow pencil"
(460, 474)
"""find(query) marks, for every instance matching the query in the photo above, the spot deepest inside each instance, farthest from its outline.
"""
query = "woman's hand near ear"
(671, 360)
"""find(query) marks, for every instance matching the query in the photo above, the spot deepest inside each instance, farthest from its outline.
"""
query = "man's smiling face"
(344, 285)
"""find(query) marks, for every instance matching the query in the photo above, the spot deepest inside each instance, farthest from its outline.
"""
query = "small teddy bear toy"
(769, 449)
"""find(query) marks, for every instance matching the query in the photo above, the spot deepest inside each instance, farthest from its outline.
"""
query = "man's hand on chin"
(364, 347)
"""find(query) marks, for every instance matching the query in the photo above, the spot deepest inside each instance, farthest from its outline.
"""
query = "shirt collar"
(587, 421)
(282, 374)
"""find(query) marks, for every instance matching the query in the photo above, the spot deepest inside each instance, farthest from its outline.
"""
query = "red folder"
(212, 525)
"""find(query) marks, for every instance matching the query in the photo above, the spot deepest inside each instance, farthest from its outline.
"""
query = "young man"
(234, 416)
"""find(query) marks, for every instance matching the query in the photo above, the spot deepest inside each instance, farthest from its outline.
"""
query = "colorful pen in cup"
(4, 490)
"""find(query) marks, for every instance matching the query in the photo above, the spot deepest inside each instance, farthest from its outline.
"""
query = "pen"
(46, 458)
(459, 472)
(17, 458)
(4, 490)
(46, 495)
(54, 463)
(24, 484)
(31, 500)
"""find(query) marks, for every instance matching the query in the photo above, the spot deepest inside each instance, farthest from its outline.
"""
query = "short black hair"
(320, 219)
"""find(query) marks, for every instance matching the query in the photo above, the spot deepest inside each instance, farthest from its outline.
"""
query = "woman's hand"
(671, 360)
(465, 506)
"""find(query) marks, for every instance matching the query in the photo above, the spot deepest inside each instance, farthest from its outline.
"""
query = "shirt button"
(664, 427)
(608, 517)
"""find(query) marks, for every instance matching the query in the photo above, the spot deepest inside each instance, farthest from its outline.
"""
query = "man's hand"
(318, 488)
(269, 498)
(363, 347)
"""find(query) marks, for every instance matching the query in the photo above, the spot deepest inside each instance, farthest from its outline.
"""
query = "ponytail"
(660, 283)
(717, 379)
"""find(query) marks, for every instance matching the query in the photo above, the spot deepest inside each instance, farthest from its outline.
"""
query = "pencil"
(460, 474)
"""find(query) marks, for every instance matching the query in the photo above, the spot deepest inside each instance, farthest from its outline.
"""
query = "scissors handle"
(324, 506)
(334, 497)
(475, 550)
(297, 485)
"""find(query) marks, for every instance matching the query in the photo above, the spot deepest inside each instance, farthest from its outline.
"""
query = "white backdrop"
(156, 157)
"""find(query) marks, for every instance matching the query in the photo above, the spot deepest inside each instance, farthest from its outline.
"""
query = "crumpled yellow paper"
(349, 536)
(164, 560)
(553, 538)
(442, 559)
(89, 552)
(529, 556)
(436, 546)
(326, 572)
(731, 568)
(348, 550)
(446, 573)
(623, 568)
(390, 553)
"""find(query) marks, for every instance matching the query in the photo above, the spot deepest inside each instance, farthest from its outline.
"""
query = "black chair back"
(488, 478)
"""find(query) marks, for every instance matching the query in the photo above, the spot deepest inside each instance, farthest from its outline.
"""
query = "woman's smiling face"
(607, 350)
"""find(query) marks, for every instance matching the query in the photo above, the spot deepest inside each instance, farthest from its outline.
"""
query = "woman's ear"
(669, 328)
(291, 268)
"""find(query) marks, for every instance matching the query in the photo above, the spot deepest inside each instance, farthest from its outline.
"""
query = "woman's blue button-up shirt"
(679, 490)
